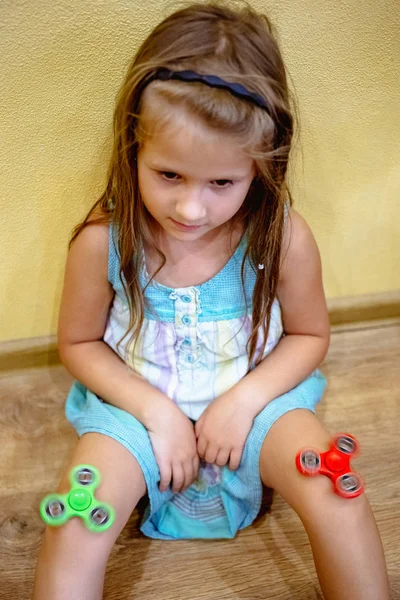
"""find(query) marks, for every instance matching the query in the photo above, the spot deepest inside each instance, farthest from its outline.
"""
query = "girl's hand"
(174, 445)
(222, 430)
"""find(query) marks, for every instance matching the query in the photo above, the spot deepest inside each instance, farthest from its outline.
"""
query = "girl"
(193, 315)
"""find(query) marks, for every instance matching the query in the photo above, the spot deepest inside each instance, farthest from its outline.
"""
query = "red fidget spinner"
(335, 464)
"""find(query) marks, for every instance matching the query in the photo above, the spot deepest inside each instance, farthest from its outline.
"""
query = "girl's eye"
(223, 183)
(169, 175)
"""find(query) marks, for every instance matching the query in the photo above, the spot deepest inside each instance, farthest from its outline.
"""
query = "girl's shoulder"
(90, 245)
(298, 243)
(94, 236)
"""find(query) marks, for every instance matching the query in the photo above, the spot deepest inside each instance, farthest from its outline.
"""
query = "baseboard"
(365, 308)
(347, 313)
(29, 353)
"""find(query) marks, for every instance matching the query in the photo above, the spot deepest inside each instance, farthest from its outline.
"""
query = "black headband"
(212, 81)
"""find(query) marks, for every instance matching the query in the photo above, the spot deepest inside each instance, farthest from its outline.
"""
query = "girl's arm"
(85, 303)
(305, 321)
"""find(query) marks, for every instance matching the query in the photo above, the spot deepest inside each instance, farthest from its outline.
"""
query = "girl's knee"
(122, 482)
(319, 505)
(288, 435)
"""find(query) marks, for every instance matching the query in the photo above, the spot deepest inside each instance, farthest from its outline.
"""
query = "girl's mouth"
(184, 227)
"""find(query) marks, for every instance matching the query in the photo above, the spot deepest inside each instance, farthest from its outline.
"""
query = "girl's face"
(192, 179)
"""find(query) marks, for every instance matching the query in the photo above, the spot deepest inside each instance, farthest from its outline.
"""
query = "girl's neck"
(214, 241)
(192, 263)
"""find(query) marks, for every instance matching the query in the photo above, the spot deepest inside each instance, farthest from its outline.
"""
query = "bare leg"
(72, 560)
(344, 538)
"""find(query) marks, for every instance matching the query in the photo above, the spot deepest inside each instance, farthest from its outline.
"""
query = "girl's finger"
(196, 466)
(236, 457)
(198, 426)
(178, 477)
(211, 454)
(222, 458)
(189, 475)
(165, 474)
(201, 446)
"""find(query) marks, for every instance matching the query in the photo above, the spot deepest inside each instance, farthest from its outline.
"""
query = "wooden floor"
(272, 558)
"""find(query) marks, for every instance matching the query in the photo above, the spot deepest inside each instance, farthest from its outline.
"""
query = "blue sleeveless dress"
(193, 348)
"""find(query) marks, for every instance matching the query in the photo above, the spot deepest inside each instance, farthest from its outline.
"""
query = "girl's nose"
(190, 208)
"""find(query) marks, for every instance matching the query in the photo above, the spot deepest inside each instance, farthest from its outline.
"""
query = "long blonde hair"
(237, 45)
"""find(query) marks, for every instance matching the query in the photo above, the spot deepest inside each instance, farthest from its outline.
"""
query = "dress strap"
(113, 255)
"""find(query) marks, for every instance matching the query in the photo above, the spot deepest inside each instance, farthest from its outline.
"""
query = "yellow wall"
(60, 66)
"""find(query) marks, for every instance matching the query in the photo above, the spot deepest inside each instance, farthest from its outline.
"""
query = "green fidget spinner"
(56, 509)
